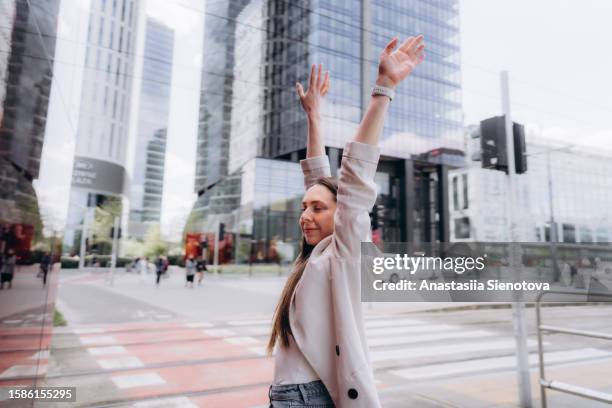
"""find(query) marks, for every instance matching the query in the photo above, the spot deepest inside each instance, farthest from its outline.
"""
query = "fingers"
(319, 78)
(311, 79)
(419, 50)
(325, 86)
(300, 90)
(390, 46)
(411, 44)
(406, 44)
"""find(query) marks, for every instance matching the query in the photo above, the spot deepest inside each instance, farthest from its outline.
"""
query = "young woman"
(321, 357)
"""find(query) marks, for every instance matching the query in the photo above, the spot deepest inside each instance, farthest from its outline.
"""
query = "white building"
(99, 170)
(581, 180)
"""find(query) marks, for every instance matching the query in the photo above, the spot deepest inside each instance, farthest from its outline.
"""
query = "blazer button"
(337, 350)
(352, 393)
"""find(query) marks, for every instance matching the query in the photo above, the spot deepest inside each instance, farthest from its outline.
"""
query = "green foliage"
(58, 319)
(69, 263)
(176, 260)
(104, 260)
(154, 245)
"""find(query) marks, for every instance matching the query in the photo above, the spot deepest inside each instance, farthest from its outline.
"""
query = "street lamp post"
(518, 305)
(553, 225)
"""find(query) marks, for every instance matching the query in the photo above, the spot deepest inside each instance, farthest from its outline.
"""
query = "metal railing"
(557, 385)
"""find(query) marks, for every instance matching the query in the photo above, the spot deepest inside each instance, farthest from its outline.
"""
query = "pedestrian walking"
(321, 357)
(8, 269)
(45, 266)
(159, 269)
(201, 267)
(190, 268)
(143, 268)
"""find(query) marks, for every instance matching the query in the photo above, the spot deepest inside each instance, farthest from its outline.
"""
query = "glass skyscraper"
(271, 44)
(147, 173)
(27, 48)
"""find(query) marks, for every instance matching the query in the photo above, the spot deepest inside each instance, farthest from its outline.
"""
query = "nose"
(305, 217)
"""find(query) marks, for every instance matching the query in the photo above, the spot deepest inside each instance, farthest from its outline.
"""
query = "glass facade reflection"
(28, 31)
(147, 173)
(259, 49)
(216, 92)
(264, 224)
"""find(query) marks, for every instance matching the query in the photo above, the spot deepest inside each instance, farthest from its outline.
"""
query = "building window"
(101, 32)
(462, 228)
(455, 193)
(538, 234)
(569, 233)
(464, 179)
(602, 235)
(585, 235)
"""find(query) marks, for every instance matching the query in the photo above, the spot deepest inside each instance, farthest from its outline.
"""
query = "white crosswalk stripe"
(139, 380)
(386, 331)
(424, 338)
(104, 351)
(445, 349)
(120, 362)
(242, 340)
(392, 322)
(496, 363)
(90, 340)
(409, 341)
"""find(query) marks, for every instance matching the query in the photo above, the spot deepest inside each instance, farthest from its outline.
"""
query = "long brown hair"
(281, 329)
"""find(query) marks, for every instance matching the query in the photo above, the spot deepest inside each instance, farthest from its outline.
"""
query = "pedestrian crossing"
(179, 363)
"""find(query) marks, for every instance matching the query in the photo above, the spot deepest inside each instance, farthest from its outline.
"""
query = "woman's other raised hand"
(395, 65)
(318, 85)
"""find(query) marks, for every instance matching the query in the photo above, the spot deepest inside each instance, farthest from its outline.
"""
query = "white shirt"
(290, 365)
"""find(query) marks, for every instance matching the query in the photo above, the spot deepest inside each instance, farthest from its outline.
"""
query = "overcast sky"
(557, 53)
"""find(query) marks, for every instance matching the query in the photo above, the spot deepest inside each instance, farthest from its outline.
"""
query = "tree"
(154, 245)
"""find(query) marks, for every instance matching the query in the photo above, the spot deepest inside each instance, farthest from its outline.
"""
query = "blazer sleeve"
(313, 168)
(356, 197)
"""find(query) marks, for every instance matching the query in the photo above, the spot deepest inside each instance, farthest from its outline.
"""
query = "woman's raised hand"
(396, 65)
(317, 89)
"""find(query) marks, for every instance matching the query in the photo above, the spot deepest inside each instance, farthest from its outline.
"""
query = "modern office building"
(7, 9)
(216, 91)
(273, 43)
(99, 170)
(147, 172)
(573, 182)
(27, 42)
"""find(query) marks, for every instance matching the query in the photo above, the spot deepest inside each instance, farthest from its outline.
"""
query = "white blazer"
(326, 313)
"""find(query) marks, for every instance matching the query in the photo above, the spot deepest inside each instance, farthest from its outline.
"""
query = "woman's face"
(317, 219)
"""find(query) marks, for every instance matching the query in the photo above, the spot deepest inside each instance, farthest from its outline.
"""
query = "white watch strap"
(383, 90)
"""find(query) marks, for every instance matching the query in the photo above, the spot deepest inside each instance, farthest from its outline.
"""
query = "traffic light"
(112, 233)
(520, 148)
(221, 231)
(374, 219)
(494, 154)
(377, 216)
(493, 144)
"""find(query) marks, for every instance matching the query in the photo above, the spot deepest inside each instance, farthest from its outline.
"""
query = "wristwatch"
(383, 90)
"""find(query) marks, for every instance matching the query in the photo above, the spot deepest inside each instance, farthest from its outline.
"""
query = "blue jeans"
(309, 395)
